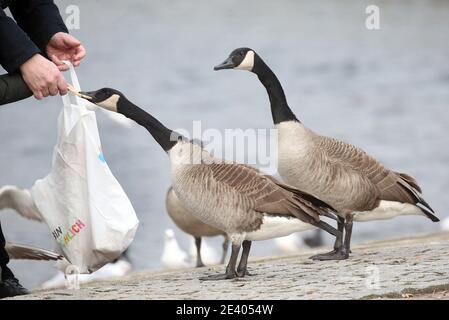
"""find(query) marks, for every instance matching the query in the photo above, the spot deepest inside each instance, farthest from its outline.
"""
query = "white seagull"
(173, 257)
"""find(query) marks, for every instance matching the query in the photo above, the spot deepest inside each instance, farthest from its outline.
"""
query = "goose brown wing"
(390, 185)
(267, 194)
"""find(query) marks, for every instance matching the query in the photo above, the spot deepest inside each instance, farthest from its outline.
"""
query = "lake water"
(385, 90)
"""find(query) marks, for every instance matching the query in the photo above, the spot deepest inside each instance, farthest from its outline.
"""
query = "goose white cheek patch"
(248, 62)
(110, 103)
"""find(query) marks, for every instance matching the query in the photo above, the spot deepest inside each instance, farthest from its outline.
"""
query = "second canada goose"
(20, 200)
(235, 198)
(358, 186)
(187, 222)
(25, 252)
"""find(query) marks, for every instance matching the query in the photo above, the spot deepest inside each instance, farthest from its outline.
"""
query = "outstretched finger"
(58, 62)
(80, 53)
(70, 41)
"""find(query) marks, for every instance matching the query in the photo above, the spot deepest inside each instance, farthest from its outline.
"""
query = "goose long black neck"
(280, 110)
(163, 136)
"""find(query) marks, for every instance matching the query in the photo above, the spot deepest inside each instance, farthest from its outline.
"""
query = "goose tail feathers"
(428, 211)
(410, 185)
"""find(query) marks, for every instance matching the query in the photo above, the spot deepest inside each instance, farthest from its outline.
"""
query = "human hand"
(63, 46)
(43, 77)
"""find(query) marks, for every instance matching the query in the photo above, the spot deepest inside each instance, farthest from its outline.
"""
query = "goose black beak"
(87, 95)
(227, 64)
(84, 95)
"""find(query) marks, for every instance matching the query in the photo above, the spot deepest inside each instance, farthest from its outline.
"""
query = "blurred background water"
(386, 91)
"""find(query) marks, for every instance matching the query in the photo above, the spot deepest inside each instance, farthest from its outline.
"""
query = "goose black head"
(241, 58)
(106, 98)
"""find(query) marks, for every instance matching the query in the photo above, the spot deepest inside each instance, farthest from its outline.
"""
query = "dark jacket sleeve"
(36, 19)
(40, 19)
(13, 88)
(15, 46)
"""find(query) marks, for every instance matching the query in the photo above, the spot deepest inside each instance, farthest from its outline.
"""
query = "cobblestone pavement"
(387, 268)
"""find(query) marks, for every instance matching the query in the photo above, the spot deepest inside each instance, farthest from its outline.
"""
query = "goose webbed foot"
(230, 269)
(333, 255)
(244, 273)
(340, 252)
(216, 277)
(341, 249)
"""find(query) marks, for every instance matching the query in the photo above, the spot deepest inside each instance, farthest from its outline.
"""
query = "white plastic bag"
(86, 209)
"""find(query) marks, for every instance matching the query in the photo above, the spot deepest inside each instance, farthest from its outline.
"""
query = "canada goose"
(173, 257)
(20, 200)
(351, 181)
(13, 197)
(187, 222)
(235, 198)
(25, 252)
